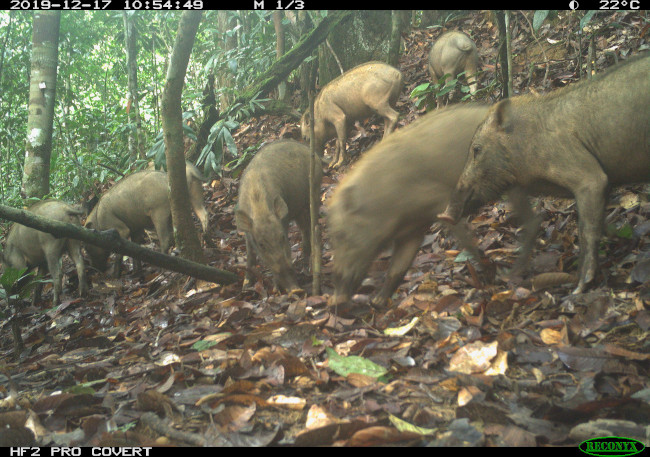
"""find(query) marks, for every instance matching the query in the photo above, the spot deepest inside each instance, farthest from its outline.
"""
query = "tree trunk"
(42, 95)
(395, 38)
(210, 117)
(314, 195)
(503, 51)
(406, 19)
(279, 48)
(508, 55)
(4, 48)
(184, 231)
(304, 24)
(136, 149)
(111, 240)
(225, 79)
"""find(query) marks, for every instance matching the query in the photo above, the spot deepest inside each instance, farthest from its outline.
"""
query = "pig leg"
(588, 183)
(530, 221)
(390, 117)
(74, 250)
(196, 198)
(162, 221)
(125, 233)
(137, 237)
(470, 74)
(53, 257)
(202, 214)
(465, 238)
(404, 251)
(340, 125)
(251, 259)
(304, 223)
(348, 274)
(38, 289)
(590, 200)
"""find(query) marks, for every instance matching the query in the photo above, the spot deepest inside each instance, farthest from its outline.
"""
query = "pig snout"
(286, 278)
(458, 205)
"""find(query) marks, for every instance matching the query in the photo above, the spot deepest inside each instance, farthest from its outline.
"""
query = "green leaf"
(586, 18)
(80, 390)
(538, 18)
(464, 256)
(202, 345)
(419, 90)
(343, 366)
(403, 330)
(11, 277)
(404, 426)
(626, 231)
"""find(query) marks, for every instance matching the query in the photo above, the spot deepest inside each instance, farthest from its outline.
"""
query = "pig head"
(564, 144)
(266, 234)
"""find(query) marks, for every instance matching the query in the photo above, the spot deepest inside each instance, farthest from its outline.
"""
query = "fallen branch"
(112, 241)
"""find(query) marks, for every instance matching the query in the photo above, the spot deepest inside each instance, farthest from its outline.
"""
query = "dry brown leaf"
(473, 358)
(360, 380)
(317, 417)
(546, 280)
(378, 436)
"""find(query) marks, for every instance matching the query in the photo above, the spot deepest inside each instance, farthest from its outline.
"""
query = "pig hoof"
(578, 290)
(380, 302)
(446, 218)
(297, 292)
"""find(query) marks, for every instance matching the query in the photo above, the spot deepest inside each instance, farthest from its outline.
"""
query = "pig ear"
(243, 221)
(503, 116)
(280, 207)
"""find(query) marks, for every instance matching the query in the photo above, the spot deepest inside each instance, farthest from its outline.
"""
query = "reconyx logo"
(611, 445)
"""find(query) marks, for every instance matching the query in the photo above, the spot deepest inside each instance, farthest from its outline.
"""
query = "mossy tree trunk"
(42, 96)
(184, 231)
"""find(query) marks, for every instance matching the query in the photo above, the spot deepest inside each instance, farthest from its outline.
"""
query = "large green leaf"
(343, 366)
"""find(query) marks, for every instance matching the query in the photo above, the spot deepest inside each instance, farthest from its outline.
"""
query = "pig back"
(280, 168)
(450, 53)
(606, 117)
(402, 181)
(359, 89)
(132, 201)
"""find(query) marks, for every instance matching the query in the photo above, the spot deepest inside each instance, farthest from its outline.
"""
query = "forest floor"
(455, 359)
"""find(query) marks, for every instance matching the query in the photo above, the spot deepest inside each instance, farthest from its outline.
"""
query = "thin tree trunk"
(314, 194)
(509, 53)
(184, 231)
(503, 51)
(210, 117)
(156, 90)
(225, 79)
(42, 96)
(4, 48)
(133, 112)
(395, 38)
(279, 48)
